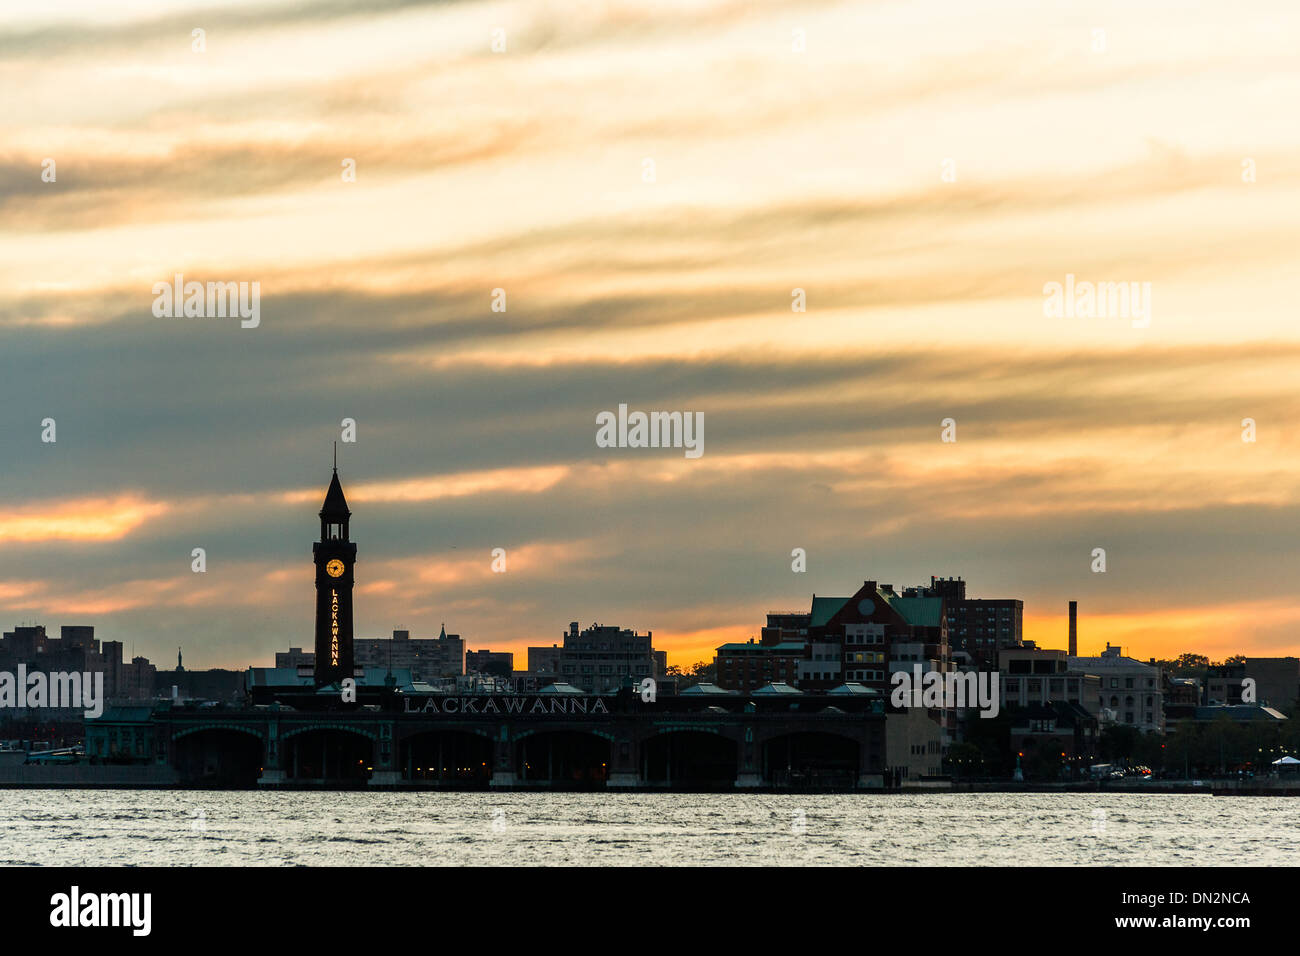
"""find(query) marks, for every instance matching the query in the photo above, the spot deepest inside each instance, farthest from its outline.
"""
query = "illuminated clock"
(335, 568)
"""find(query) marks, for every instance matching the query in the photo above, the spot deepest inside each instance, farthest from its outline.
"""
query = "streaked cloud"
(87, 519)
(775, 170)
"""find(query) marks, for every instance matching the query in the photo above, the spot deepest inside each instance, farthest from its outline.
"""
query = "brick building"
(747, 666)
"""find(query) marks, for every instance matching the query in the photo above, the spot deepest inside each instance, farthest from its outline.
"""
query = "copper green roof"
(825, 608)
(785, 646)
(704, 687)
(917, 611)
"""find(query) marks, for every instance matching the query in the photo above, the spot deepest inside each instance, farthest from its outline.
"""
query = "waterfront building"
(867, 624)
(1181, 692)
(745, 666)
(1277, 681)
(544, 662)
(1030, 675)
(425, 658)
(599, 658)
(428, 658)
(977, 627)
(294, 658)
(915, 745)
(1208, 714)
(212, 684)
(491, 663)
(1224, 684)
(822, 665)
(559, 737)
(1131, 691)
(785, 626)
(1054, 740)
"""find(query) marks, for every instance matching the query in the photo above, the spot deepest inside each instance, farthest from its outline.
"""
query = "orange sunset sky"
(920, 170)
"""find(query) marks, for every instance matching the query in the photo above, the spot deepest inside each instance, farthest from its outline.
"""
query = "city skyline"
(921, 187)
(520, 646)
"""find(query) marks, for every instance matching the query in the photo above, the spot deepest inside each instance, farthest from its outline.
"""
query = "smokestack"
(1074, 628)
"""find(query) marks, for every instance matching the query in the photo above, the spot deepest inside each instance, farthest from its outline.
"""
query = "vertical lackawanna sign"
(335, 557)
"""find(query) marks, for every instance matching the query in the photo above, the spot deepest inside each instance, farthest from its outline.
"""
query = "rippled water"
(97, 827)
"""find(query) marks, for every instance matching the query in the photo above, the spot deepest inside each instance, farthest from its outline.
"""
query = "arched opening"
(218, 757)
(690, 759)
(447, 758)
(330, 755)
(812, 760)
(564, 759)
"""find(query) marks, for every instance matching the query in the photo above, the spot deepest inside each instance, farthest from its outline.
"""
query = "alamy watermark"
(129, 910)
(651, 430)
(934, 689)
(1098, 300)
(75, 690)
(215, 300)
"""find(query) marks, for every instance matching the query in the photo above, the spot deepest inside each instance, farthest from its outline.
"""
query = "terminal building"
(345, 721)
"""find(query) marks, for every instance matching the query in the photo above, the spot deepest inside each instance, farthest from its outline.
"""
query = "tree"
(701, 672)
(1186, 665)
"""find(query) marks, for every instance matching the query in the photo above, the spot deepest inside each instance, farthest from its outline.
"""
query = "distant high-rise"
(979, 627)
(599, 658)
(427, 659)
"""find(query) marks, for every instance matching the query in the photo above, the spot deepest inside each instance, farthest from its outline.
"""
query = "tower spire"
(335, 555)
(336, 458)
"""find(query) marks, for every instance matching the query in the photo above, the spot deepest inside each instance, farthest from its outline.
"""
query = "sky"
(648, 185)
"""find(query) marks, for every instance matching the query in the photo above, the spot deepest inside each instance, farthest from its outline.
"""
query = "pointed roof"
(560, 687)
(335, 503)
(704, 687)
(825, 608)
(773, 688)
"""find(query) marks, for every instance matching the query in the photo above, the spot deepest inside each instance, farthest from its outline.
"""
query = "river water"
(175, 827)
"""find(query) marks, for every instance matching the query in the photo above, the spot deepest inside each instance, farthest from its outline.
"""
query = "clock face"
(335, 568)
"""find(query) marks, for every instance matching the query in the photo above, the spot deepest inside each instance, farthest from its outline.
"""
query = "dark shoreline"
(1209, 787)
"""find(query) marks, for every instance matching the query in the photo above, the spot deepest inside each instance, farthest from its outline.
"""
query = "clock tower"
(335, 557)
